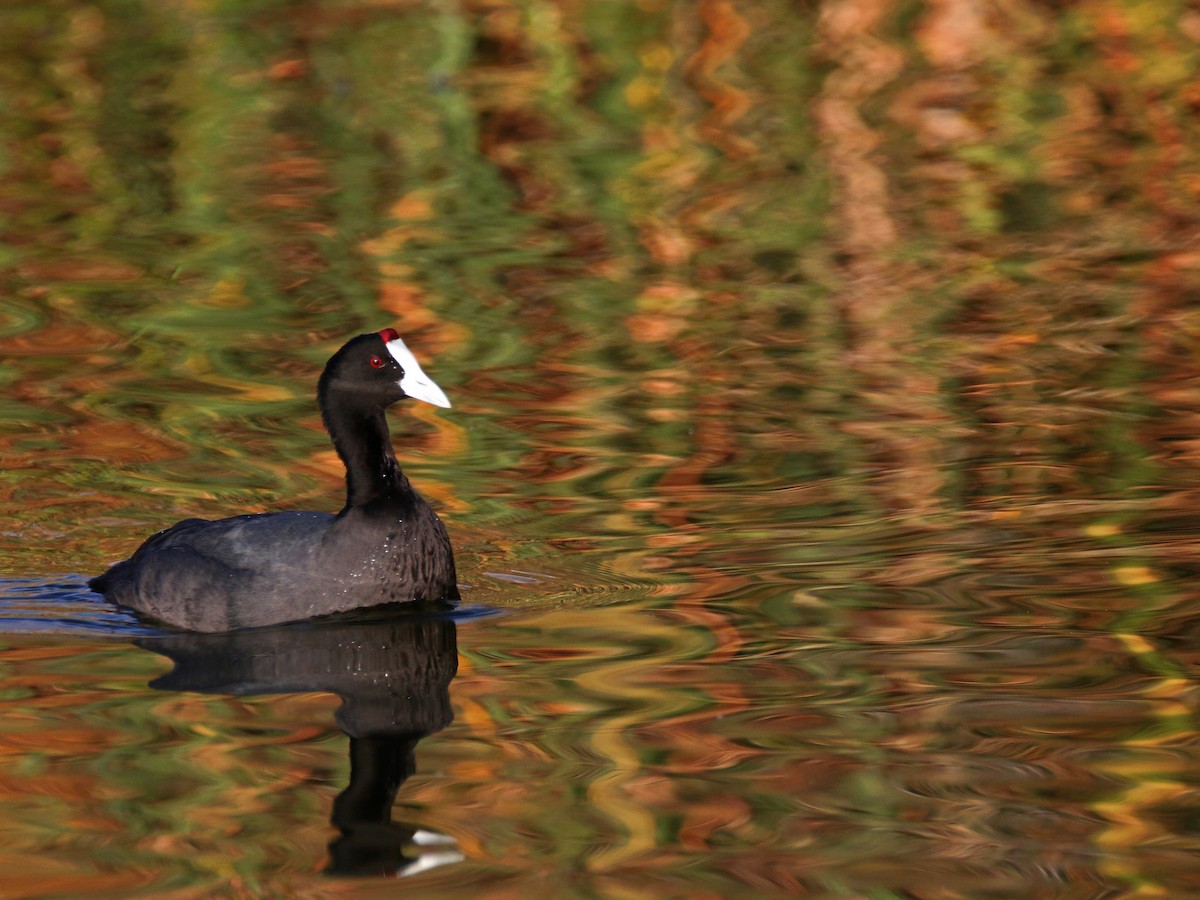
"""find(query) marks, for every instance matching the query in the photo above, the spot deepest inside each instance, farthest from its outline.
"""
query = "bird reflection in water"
(393, 678)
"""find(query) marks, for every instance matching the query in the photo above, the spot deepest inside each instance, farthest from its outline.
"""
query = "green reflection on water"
(824, 396)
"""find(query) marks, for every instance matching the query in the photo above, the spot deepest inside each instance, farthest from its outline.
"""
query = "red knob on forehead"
(389, 334)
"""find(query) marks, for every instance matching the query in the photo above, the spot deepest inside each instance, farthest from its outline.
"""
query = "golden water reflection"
(825, 430)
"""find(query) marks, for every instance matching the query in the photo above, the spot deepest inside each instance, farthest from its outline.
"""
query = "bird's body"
(386, 545)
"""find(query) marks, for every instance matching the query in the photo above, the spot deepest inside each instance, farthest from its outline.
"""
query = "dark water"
(823, 466)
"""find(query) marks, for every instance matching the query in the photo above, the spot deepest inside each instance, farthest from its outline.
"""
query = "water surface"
(822, 466)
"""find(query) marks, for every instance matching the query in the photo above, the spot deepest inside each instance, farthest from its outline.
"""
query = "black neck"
(364, 444)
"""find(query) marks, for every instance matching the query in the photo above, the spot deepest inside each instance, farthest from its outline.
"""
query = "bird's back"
(219, 575)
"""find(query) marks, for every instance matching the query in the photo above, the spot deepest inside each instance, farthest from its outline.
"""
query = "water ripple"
(63, 605)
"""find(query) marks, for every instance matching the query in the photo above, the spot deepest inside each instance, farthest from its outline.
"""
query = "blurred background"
(781, 337)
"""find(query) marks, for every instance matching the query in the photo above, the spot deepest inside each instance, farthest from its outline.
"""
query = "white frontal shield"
(415, 382)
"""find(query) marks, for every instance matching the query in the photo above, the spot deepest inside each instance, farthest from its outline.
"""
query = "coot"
(385, 546)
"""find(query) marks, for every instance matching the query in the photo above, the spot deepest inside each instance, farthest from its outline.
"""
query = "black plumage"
(385, 546)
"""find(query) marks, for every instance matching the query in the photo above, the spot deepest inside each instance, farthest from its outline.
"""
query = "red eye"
(376, 362)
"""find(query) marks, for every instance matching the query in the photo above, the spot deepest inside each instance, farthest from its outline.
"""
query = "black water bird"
(386, 545)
